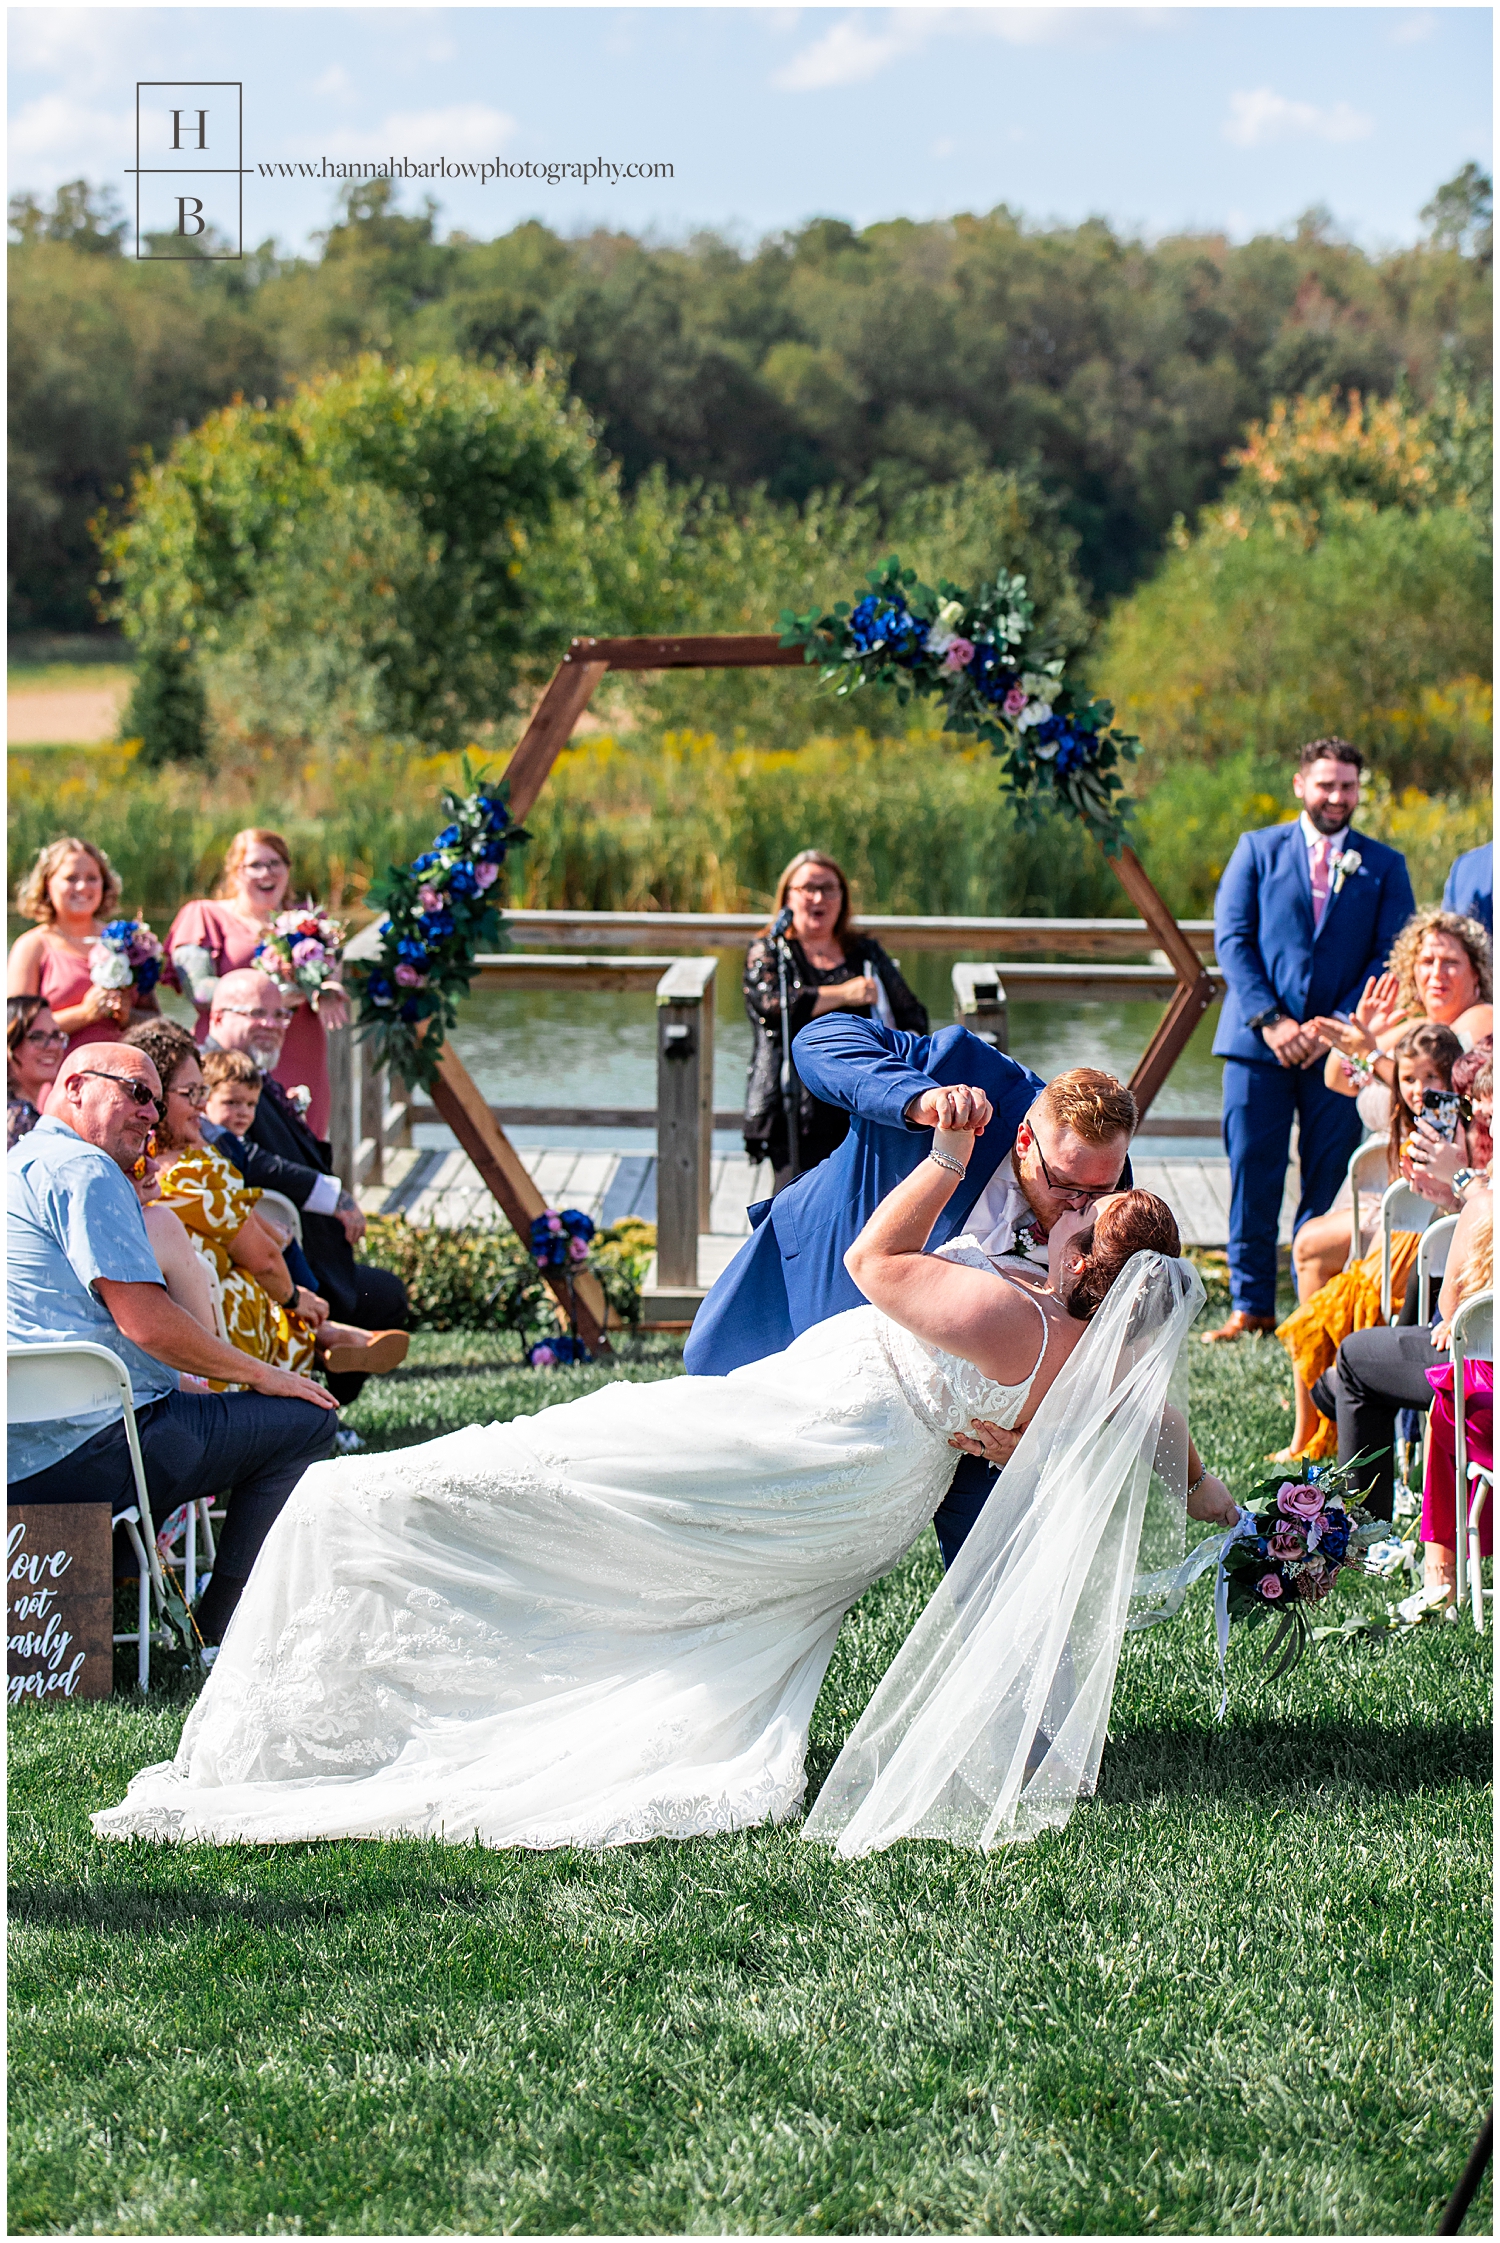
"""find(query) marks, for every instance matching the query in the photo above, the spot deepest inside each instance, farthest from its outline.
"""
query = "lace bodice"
(943, 1389)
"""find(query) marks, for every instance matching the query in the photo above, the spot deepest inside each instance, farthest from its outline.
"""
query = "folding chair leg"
(190, 1556)
(143, 1631)
(1476, 1567)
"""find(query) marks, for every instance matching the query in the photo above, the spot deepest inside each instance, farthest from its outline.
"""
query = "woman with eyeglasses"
(266, 1314)
(216, 935)
(826, 967)
(34, 1048)
(71, 891)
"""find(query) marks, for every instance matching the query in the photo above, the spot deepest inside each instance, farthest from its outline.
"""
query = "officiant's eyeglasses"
(1065, 1188)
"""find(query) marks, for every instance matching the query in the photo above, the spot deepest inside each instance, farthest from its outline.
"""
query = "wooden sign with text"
(59, 1602)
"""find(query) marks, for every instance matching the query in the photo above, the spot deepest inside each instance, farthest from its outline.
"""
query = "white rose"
(1042, 687)
(108, 970)
(948, 617)
(938, 642)
(1046, 749)
(1035, 712)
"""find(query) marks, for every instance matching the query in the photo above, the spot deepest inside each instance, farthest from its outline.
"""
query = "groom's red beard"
(1030, 1187)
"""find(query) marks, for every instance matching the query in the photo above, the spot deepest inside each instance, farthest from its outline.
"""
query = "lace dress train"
(605, 1623)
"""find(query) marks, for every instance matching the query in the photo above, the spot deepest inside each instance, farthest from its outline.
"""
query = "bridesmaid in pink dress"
(219, 934)
(71, 891)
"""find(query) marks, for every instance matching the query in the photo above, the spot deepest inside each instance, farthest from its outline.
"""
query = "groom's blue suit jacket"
(790, 1274)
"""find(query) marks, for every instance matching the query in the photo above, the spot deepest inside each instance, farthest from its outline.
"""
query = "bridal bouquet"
(982, 654)
(1294, 1539)
(126, 954)
(301, 951)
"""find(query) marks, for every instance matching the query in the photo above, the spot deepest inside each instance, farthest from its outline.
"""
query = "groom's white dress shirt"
(1001, 1210)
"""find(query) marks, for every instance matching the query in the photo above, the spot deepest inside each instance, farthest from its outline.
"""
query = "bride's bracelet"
(946, 1160)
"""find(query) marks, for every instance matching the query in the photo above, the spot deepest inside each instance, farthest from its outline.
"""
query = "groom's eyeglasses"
(1083, 1195)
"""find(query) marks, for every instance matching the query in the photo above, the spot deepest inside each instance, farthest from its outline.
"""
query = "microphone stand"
(789, 1085)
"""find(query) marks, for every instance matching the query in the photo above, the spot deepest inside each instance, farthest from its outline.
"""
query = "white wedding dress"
(605, 1623)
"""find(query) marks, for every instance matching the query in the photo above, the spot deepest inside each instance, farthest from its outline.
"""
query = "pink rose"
(1294, 1501)
(1269, 1586)
(959, 655)
(1015, 701)
(485, 875)
(306, 953)
(408, 976)
(1286, 1543)
(429, 899)
(541, 1355)
(554, 1221)
(577, 1250)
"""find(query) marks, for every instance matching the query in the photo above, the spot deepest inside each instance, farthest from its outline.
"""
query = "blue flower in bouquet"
(993, 676)
(411, 952)
(379, 989)
(886, 626)
(411, 1010)
(126, 955)
(448, 838)
(462, 881)
(435, 925)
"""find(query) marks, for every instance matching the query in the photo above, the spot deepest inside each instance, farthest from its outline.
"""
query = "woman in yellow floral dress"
(266, 1313)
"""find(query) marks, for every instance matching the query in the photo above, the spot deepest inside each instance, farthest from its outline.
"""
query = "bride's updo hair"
(1135, 1222)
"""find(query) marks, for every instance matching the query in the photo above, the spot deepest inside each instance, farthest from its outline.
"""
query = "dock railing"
(1111, 960)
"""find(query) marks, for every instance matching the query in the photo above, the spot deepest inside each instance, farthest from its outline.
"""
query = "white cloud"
(1411, 30)
(55, 137)
(466, 129)
(335, 83)
(1255, 119)
(858, 47)
(941, 148)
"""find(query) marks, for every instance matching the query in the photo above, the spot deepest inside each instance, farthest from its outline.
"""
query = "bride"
(610, 1622)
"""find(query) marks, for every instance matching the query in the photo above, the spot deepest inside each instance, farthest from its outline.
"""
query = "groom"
(1047, 1148)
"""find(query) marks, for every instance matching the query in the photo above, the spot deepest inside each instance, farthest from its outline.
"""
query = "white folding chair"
(1472, 1341)
(75, 1378)
(1432, 1261)
(1401, 1209)
(1367, 1166)
(284, 1211)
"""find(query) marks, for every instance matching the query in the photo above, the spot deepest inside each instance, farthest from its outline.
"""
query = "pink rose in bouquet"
(1015, 701)
(959, 655)
(1286, 1544)
(1297, 1500)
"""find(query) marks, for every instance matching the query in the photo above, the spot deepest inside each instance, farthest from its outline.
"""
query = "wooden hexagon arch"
(577, 678)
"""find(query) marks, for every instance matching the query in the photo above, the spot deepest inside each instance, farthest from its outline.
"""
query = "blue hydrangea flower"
(461, 881)
(889, 626)
(412, 952)
(992, 675)
(447, 838)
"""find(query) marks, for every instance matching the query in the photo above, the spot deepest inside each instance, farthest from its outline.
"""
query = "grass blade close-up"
(1246, 1990)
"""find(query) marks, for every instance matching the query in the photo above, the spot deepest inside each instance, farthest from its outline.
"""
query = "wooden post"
(372, 1103)
(980, 1003)
(1195, 991)
(457, 1098)
(344, 1102)
(684, 1116)
(549, 731)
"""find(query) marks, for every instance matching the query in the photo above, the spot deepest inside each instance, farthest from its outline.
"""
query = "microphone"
(783, 923)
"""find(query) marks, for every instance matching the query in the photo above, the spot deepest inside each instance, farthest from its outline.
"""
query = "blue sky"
(1156, 118)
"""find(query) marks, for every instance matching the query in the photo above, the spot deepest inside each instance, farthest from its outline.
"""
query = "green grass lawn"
(1246, 1990)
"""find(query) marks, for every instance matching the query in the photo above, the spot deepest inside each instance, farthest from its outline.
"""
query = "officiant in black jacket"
(281, 1154)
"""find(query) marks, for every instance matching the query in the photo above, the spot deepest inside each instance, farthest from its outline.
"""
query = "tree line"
(1104, 378)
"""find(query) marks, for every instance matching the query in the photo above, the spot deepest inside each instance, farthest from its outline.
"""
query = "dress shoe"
(383, 1351)
(1240, 1322)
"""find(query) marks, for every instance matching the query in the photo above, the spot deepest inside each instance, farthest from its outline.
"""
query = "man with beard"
(1043, 1148)
(281, 1154)
(1305, 914)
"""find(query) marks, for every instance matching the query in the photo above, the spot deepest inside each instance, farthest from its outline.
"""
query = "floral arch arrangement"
(998, 677)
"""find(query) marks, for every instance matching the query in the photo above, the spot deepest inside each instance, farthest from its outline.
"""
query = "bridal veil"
(991, 1721)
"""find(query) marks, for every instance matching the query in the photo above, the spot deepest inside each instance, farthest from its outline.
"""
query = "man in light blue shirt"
(1470, 886)
(81, 1268)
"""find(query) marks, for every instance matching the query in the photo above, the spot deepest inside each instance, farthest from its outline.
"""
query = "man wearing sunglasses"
(81, 1268)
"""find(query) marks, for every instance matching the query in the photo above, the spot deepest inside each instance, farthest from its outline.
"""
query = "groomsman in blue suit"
(1027, 1167)
(1305, 914)
(1471, 886)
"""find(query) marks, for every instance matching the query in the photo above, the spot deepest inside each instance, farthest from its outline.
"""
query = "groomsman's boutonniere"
(1347, 861)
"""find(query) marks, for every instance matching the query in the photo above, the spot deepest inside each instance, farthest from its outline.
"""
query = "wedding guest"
(81, 1268)
(281, 1154)
(1352, 1299)
(1440, 969)
(1439, 1481)
(1469, 890)
(266, 1312)
(34, 1048)
(221, 933)
(71, 891)
(1306, 913)
(1445, 1170)
(1379, 1372)
(830, 967)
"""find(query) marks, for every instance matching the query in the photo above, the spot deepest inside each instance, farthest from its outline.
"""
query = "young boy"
(233, 1081)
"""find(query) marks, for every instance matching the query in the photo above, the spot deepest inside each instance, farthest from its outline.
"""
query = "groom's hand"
(993, 1442)
(950, 1106)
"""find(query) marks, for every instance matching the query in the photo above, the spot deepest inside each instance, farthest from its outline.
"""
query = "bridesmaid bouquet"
(561, 1240)
(302, 951)
(562, 1347)
(126, 955)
